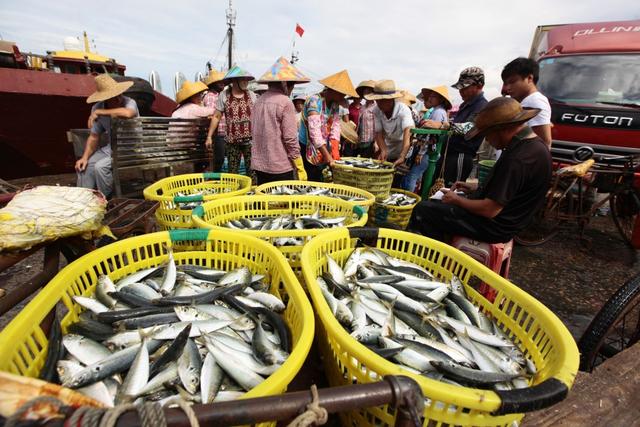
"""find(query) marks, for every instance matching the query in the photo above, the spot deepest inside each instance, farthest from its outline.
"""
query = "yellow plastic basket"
(375, 181)
(170, 216)
(337, 189)
(383, 215)
(218, 212)
(23, 343)
(536, 330)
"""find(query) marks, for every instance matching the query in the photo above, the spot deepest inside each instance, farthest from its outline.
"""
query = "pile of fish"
(403, 313)
(398, 199)
(309, 190)
(287, 222)
(363, 163)
(176, 330)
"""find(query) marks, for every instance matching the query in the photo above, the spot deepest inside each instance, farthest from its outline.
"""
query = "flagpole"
(294, 57)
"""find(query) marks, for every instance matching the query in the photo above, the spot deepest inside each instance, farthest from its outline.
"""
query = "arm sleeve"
(97, 127)
(289, 129)
(315, 131)
(220, 101)
(407, 119)
(461, 128)
(132, 105)
(505, 182)
(439, 115)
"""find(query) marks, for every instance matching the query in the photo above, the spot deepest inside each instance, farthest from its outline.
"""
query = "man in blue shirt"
(458, 160)
(94, 167)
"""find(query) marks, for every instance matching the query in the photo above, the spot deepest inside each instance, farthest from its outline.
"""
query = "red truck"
(591, 74)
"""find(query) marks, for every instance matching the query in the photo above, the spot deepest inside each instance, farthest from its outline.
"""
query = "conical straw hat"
(442, 91)
(238, 74)
(189, 89)
(283, 71)
(408, 98)
(107, 88)
(340, 82)
(348, 131)
(213, 77)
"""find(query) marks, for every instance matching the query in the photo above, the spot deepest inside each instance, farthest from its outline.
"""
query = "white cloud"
(416, 43)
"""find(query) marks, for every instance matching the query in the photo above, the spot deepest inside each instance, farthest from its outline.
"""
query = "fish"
(398, 199)
(427, 326)
(363, 163)
(145, 339)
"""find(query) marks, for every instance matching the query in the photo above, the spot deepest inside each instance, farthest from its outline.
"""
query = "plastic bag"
(47, 213)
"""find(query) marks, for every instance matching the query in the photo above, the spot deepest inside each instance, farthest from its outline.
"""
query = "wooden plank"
(610, 396)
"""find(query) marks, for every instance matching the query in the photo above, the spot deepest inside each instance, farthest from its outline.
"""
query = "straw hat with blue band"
(384, 89)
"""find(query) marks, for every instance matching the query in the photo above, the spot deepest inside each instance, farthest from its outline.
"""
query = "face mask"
(243, 85)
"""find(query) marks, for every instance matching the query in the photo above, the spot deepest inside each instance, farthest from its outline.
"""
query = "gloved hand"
(302, 174)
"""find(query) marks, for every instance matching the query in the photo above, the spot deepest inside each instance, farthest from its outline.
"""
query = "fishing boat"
(43, 96)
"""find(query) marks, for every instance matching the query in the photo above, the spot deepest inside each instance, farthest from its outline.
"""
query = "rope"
(186, 408)
(315, 414)
(151, 415)
(111, 416)
(86, 416)
(25, 408)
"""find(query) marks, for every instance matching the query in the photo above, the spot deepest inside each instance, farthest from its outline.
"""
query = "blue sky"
(416, 43)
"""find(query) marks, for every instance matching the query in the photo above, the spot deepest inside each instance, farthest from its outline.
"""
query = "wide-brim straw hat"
(384, 89)
(188, 89)
(340, 82)
(214, 76)
(500, 112)
(443, 91)
(107, 88)
(236, 73)
(408, 98)
(348, 131)
(283, 71)
(364, 84)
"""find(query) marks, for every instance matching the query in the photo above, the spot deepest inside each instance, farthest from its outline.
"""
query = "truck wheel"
(614, 328)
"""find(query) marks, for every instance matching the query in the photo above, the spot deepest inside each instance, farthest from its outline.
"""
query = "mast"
(231, 22)
(86, 42)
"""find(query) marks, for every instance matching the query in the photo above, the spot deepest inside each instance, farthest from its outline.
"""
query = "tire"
(624, 211)
(593, 344)
(539, 231)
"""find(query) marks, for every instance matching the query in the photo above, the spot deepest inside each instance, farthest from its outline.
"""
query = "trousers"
(219, 151)
(264, 177)
(457, 167)
(98, 174)
(441, 221)
(237, 151)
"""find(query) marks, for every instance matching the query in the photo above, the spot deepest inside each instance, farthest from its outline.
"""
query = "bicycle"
(571, 198)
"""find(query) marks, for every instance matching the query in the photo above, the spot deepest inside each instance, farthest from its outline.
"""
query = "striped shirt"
(367, 124)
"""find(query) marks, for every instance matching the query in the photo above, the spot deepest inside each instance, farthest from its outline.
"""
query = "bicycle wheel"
(624, 211)
(614, 328)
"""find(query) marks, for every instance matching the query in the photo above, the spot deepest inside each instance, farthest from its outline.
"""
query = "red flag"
(299, 30)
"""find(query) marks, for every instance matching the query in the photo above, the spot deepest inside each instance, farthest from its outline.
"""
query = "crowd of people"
(282, 137)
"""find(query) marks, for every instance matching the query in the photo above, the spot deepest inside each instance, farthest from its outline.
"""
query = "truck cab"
(591, 75)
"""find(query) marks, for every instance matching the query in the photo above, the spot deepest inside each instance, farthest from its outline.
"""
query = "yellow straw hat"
(107, 88)
(348, 131)
(189, 89)
(365, 83)
(340, 82)
(408, 98)
(213, 77)
(384, 89)
(442, 91)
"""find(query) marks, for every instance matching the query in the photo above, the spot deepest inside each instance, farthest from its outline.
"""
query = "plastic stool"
(496, 256)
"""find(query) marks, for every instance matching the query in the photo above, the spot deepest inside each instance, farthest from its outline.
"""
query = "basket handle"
(195, 234)
(368, 235)
(211, 175)
(543, 395)
(187, 199)
(358, 210)
(198, 211)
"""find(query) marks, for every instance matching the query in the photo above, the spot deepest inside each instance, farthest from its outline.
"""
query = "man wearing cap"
(393, 121)
(366, 121)
(460, 153)
(215, 84)
(319, 134)
(236, 103)
(94, 167)
(298, 103)
(515, 188)
(276, 151)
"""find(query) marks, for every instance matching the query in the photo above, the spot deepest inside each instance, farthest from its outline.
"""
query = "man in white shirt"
(393, 120)
(519, 79)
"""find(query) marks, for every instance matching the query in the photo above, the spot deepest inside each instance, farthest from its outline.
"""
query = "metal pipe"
(400, 392)
(49, 269)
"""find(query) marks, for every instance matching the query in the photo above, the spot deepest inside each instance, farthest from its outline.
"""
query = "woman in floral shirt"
(320, 124)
